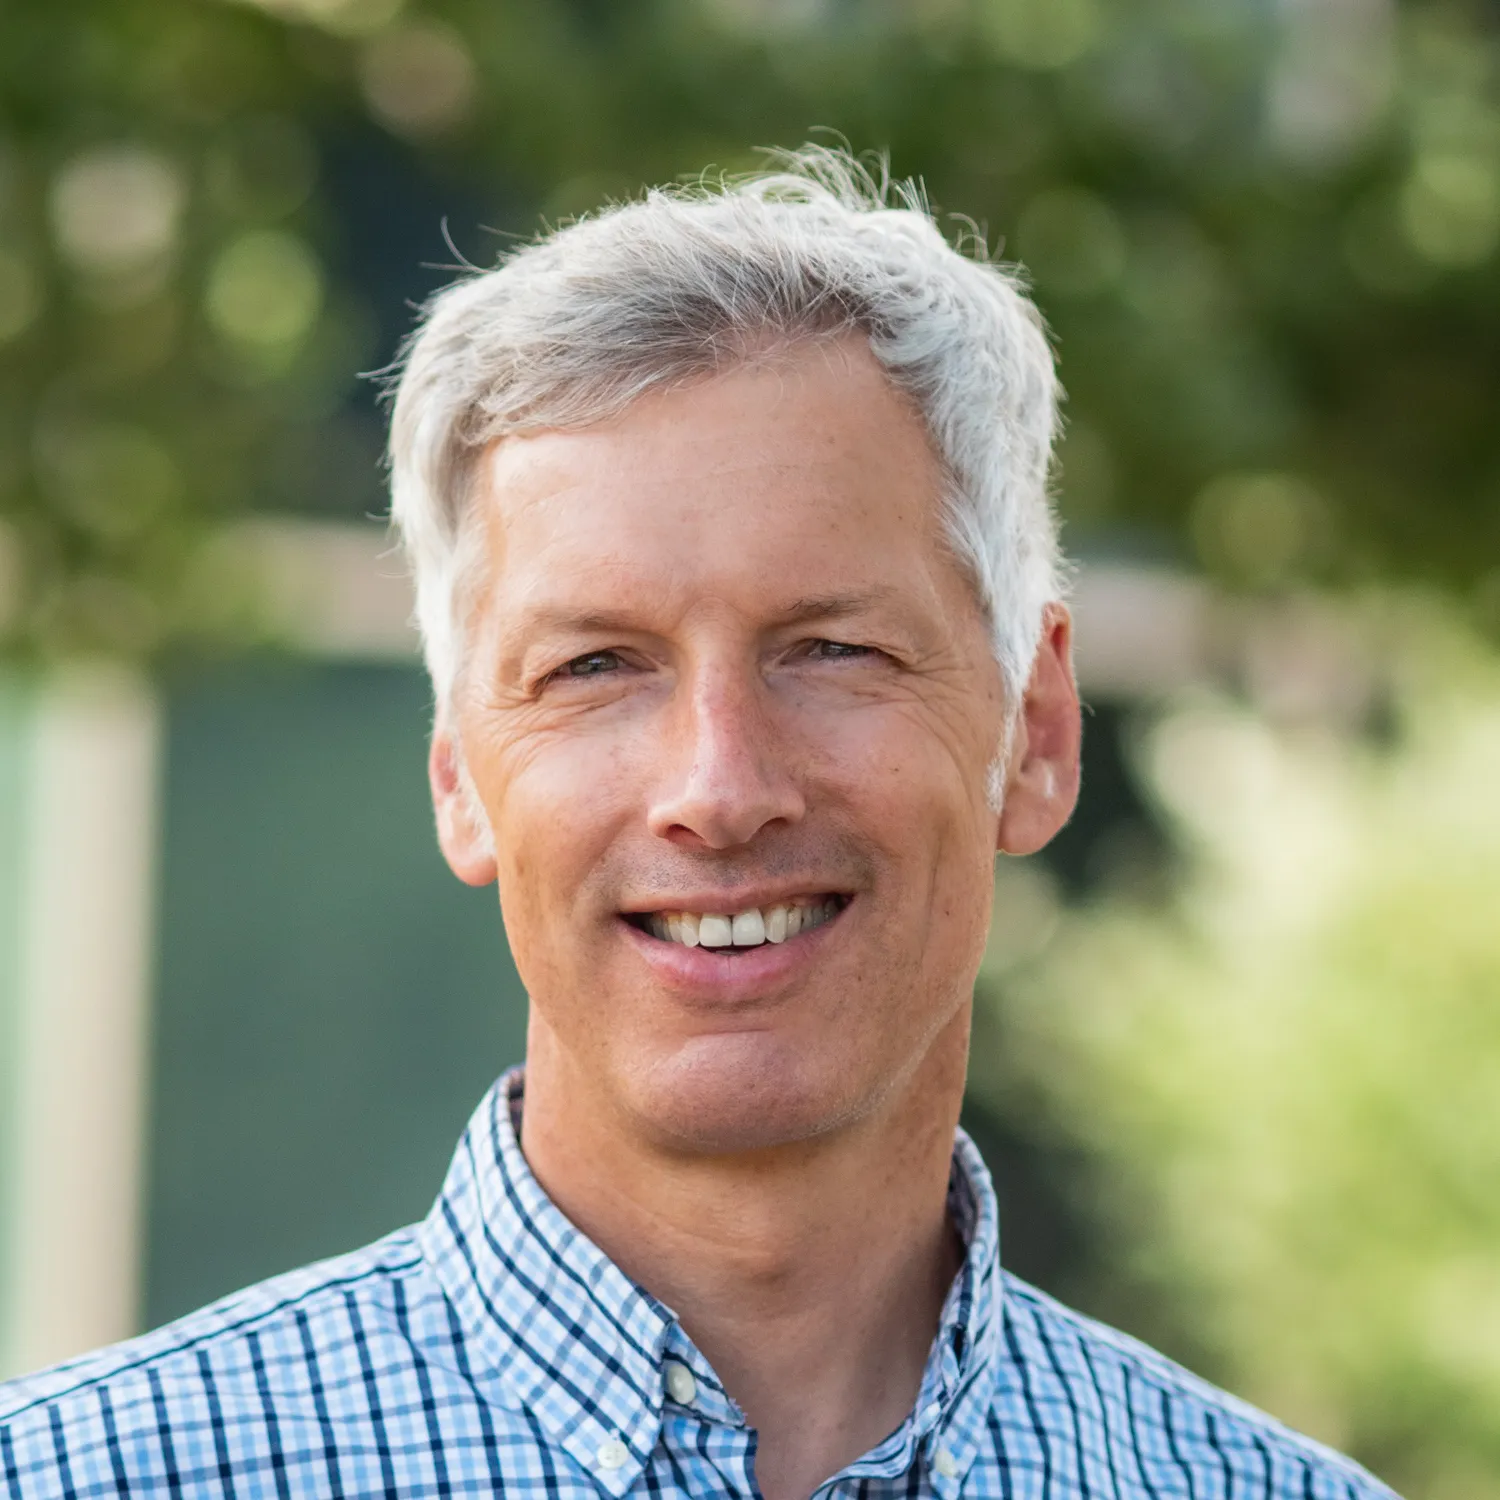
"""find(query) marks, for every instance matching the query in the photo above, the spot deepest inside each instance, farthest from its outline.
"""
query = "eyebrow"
(562, 619)
(837, 606)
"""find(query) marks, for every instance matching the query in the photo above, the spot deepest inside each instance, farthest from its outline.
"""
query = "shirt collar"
(551, 1324)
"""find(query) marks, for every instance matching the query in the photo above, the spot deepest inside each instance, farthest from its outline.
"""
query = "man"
(740, 593)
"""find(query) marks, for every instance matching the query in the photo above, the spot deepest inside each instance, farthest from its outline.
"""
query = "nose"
(727, 772)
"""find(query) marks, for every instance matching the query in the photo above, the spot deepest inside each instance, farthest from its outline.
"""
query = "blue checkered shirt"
(492, 1349)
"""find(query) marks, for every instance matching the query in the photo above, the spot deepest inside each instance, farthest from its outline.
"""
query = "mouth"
(752, 928)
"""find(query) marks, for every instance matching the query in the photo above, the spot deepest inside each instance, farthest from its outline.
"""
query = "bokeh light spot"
(342, 17)
(1259, 528)
(1043, 34)
(419, 79)
(1450, 209)
(265, 291)
(116, 210)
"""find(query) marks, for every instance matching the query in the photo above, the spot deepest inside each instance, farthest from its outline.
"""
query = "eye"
(837, 650)
(594, 664)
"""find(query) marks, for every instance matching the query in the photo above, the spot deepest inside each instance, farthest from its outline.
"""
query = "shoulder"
(216, 1395)
(1135, 1423)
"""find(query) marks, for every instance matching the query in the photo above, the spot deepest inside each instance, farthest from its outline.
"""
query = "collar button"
(612, 1454)
(681, 1386)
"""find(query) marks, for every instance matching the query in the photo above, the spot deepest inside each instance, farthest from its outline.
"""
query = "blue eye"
(595, 664)
(836, 650)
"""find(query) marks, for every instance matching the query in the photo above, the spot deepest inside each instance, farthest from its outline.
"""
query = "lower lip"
(730, 975)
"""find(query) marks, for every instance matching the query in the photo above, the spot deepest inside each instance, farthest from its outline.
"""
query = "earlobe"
(463, 830)
(1042, 787)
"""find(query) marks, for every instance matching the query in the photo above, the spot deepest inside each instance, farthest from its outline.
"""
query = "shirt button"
(681, 1386)
(612, 1454)
(945, 1463)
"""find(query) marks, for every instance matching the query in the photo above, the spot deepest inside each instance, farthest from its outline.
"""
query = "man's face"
(724, 666)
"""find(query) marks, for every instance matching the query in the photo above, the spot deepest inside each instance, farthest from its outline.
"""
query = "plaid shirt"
(492, 1349)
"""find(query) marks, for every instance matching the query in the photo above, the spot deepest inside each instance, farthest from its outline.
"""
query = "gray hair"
(686, 281)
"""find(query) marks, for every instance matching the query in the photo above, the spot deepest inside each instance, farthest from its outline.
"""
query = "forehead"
(803, 473)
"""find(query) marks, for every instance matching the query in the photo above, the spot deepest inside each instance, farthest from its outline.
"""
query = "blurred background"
(1237, 1063)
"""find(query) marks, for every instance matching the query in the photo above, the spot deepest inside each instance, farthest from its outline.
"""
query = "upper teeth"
(744, 929)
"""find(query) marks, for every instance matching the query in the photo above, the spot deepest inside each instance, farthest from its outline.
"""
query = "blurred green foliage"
(1264, 234)
(1286, 1079)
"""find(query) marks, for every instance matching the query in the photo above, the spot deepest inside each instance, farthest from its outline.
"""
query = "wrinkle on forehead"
(510, 458)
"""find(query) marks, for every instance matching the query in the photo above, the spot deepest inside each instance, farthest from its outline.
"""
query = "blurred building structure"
(80, 771)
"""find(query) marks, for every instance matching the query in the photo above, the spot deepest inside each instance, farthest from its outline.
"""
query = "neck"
(811, 1276)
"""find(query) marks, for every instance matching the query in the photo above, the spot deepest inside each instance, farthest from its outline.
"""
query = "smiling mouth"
(742, 929)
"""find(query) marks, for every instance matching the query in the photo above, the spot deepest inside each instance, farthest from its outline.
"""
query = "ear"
(463, 831)
(1041, 784)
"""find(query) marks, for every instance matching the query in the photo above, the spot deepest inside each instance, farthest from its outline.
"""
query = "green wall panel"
(330, 1001)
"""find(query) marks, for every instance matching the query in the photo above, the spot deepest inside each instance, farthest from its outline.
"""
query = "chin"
(727, 1095)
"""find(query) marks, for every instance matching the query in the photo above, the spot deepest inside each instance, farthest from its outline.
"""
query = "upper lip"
(729, 902)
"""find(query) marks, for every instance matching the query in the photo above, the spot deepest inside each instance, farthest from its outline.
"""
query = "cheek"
(555, 816)
(916, 787)
(553, 797)
(924, 801)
